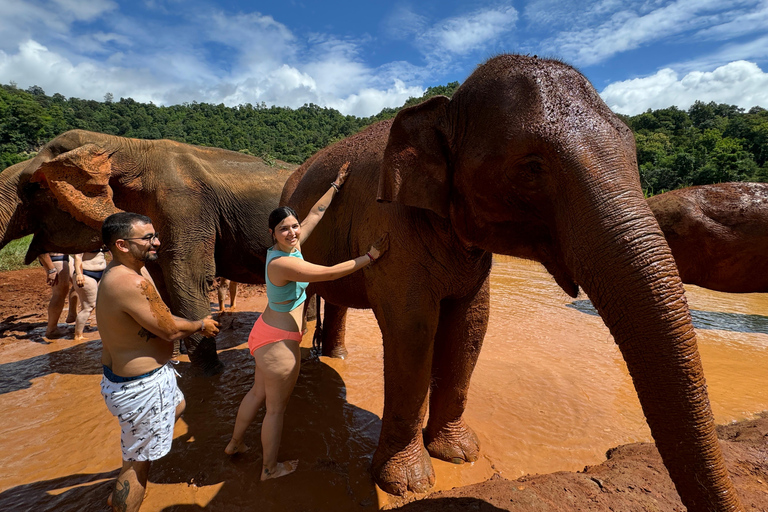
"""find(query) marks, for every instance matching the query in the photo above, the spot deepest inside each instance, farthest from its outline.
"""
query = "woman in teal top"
(276, 335)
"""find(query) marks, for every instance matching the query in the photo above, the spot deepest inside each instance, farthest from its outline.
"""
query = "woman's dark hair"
(278, 214)
(119, 225)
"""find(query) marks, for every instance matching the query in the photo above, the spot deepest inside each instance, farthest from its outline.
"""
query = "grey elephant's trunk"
(13, 220)
(619, 256)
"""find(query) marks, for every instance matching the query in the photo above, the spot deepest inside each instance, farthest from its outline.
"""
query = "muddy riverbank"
(549, 397)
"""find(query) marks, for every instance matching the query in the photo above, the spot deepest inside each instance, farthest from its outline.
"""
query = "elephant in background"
(209, 206)
(525, 160)
(718, 234)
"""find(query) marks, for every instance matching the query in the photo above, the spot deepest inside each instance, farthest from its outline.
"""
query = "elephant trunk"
(13, 221)
(618, 254)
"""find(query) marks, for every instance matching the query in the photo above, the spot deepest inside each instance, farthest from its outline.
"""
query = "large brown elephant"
(718, 234)
(209, 205)
(524, 160)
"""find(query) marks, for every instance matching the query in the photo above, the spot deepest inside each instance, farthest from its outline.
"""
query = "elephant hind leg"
(460, 334)
(334, 331)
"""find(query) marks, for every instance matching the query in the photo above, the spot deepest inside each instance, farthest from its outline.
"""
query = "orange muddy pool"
(550, 393)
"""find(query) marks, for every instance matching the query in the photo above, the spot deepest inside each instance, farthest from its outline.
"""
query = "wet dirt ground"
(550, 396)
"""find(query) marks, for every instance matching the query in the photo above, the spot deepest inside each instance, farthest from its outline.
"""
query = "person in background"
(137, 333)
(222, 290)
(89, 267)
(56, 266)
(276, 335)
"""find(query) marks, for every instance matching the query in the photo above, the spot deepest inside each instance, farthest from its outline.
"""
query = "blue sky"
(361, 56)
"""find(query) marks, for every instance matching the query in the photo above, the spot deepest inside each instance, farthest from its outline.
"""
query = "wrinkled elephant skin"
(524, 160)
(718, 234)
(209, 206)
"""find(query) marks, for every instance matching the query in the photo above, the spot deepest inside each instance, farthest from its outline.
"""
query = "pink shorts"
(263, 334)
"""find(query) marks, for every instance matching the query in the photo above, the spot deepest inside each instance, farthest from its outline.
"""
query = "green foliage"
(12, 255)
(708, 143)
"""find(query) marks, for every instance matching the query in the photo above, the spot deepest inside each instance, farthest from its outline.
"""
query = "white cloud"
(626, 30)
(82, 9)
(463, 34)
(739, 83)
(34, 64)
(592, 32)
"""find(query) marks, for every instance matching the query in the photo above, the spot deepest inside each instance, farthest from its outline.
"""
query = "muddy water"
(550, 393)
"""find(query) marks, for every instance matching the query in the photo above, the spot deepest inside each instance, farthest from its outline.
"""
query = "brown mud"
(550, 396)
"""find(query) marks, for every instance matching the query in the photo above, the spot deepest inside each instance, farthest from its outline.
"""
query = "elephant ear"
(415, 169)
(79, 180)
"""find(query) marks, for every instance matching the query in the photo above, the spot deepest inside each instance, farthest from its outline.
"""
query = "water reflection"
(735, 322)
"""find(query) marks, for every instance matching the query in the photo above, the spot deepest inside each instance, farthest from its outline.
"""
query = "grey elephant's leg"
(459, 337)
(334, 330)
(401, 463)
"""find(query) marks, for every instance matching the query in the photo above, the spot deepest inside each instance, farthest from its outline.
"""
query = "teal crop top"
(295, 292)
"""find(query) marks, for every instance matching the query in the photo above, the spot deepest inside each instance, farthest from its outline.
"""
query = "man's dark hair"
(119, 225)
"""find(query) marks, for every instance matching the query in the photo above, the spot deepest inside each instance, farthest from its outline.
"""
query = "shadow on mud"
(83, 492)
(333, 440)
(82, 359)
(735, 322)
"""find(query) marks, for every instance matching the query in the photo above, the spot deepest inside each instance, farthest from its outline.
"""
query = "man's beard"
(150, 256)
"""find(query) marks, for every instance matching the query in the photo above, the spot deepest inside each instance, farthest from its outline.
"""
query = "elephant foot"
(337, 352)
(455, 442)
(407, 470)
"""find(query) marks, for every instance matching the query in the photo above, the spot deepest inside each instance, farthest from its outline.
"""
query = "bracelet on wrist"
(370, 256)
(202, 325)
(336, 187)
(52, 271)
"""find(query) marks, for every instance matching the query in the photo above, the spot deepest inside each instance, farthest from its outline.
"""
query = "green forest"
(708, 143)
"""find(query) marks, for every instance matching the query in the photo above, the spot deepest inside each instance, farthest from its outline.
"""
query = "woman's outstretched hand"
(342, 176)
(380, 246)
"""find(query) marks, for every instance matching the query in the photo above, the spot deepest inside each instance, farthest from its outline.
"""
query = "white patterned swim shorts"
(145, 406)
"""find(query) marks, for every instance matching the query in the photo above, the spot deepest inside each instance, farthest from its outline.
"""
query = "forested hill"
(708, 143)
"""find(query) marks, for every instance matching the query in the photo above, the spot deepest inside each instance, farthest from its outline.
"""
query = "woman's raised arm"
(317, 211)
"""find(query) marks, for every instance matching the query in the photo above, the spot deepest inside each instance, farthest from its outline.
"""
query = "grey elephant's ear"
(414, 170)
(79, 180)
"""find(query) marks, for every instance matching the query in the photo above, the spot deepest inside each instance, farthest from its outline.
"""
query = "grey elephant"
(209, 205)
(524, 160)
(718, 234)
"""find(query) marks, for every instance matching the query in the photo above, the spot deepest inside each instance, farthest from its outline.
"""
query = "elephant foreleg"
(334, 330)
(401, 463)
(460, 334)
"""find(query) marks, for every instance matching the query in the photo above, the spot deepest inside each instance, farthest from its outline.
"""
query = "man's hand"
(52, 278)
(80, 280)
(210, 327)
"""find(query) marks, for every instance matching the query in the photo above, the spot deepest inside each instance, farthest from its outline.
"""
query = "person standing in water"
(89, 267)
(276, 335)
(137, 334)
(56, 266)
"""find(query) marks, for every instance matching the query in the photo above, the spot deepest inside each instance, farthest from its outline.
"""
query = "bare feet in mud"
(281, 469)
(235, 447)
(55, 334)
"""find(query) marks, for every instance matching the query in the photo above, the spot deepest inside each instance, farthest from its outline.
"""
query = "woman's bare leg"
(58, 296)
(279, 364)
(87, 296)
(249, 408)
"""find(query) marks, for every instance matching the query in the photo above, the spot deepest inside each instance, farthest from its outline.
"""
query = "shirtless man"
(137, 333)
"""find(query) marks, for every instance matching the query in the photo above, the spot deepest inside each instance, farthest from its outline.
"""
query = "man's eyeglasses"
(151, 237)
